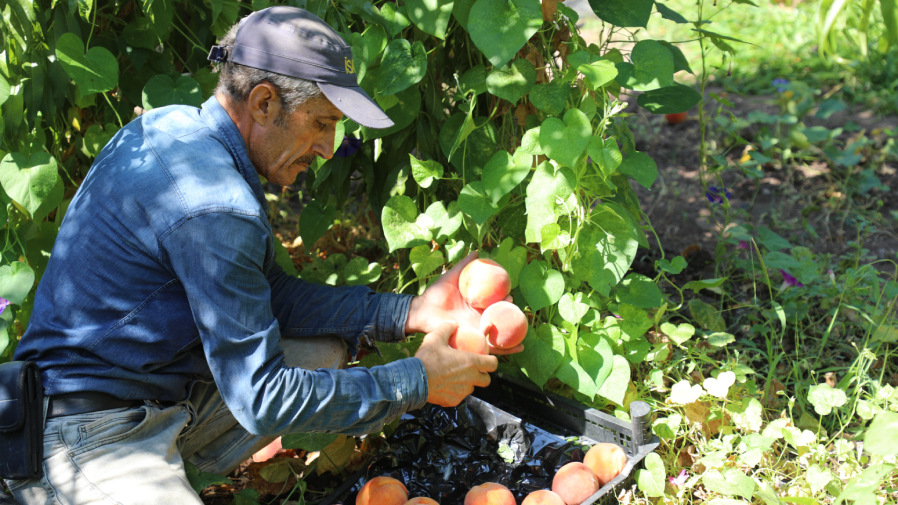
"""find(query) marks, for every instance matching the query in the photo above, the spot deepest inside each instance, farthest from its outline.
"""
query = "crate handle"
(641, 416)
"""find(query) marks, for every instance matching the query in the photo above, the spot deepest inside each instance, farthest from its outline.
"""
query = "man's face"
(281, 150)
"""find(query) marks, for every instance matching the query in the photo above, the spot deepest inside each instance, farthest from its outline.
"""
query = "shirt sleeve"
(230, 298)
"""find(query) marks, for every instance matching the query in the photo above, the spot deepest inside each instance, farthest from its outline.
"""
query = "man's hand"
(442, 301)
(451, 374)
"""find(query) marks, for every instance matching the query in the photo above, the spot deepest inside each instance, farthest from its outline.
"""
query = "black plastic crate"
(560, 417)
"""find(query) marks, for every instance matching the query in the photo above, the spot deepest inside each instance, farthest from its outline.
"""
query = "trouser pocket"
(107, 429)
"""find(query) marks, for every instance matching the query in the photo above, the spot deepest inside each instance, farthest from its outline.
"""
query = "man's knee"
(315, 352)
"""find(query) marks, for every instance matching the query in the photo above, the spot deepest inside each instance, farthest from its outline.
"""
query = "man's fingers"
(502, 352)
(443, 331)
(486, 363)
(483, 380)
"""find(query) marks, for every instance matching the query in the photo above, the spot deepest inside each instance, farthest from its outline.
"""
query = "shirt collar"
(221, 123)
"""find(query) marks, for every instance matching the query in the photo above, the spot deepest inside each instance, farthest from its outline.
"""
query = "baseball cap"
(294, 42)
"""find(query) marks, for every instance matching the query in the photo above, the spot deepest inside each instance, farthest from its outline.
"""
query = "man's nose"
(324, 147)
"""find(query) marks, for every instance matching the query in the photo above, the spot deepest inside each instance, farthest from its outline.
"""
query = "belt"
(82, 402)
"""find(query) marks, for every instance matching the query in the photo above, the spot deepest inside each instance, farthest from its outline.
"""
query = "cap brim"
(357, 105)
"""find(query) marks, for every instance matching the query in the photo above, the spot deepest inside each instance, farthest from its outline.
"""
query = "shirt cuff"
(409, 385)
(391, 317)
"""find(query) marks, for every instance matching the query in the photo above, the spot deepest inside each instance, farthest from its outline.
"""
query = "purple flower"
(348, 147)
(716, 195)
(780, 84)
(679, 480)
(742, 245)
(790, 280)
(3, 304)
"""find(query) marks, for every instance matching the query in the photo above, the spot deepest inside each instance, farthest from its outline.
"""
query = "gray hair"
(238, 80)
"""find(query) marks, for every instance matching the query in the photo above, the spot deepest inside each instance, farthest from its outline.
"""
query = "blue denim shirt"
(163, 273)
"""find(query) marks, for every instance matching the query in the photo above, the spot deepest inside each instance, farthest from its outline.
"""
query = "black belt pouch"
(21, 421)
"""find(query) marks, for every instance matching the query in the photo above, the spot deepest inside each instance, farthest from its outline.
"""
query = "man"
(160, 320)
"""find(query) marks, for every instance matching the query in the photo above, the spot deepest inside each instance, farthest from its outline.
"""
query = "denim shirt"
(163, 273)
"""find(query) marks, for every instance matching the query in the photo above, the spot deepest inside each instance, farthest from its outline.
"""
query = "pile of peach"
(572, 484)
(484, 284)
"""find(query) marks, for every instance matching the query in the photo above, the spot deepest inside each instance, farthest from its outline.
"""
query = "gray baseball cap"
(294, 42)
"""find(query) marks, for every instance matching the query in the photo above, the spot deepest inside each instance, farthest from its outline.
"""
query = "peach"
(484, 282)
(489, 493)
(605, 460)
(382, 491)
(504, 325)
(574, 483)
(465, 338)
(422, 500)
(543, 497)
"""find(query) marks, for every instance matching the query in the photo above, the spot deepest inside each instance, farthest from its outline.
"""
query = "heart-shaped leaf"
(403, 65)
(503, 172)
(651, 479)
(162, 90)
(547, 187)
(623, 13)
(565, 141)
(455, 250)
(720, 386)
(641, 168)
(733, 482)
(599, 73)
(474, 81)
(314, 221)
(500, 28)
(652, 67)
(550, 97)
(824, 398)
(607, 249)
(29, 180)
(96, 138)
(513, 81)
(16, 280)
(395, 17)
(639, 291)
(682, 393)
(605, 154)
(474, 202)
(431, 16)
(445, 221)
(425, 171)
(669, 99)
(359, 272)
(530, 143)
(542, 355)
(552, 237)
(511, 258)
(140, 33)
(570, 372)
(615, 386)
(706, 316)
(882, 435)
(94, 72)
(424, 260)
(572, 307)
(678, 334)
(403, 226)
(477, 147)
(541, 285)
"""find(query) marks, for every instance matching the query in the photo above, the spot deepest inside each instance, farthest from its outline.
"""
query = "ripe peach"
(465, 338)
(676, 118)
(484, 282)
(489, 493)
(382, 491)
(574, 483)
(543, 497)
(504, 325)
(421, 500)
(607, 461)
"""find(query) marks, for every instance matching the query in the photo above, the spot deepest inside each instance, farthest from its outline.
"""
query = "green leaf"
(652, 67)
(511, 258)
(824, 398)
(550, 97)
(706, 316)
(358, 272)
(771, 240)
(599, 73)
(639, 291)
(678, 334)
(680, 61)
(720, 339)
(477, 148)
(571, 373)
(96, 138)
(818, 478)
(200, 480)
(541, 286)
(865, 484)
(623, 13)
(503, 173)
(162, 90)
(565, 141)
(445, 222)
(614, 388)
(530, 143)
(29, 180)
(542, 355)
(701, 284)
(94, 72)
(605, 154)
(511, 82)
(403, 65)
(336, 456)
(882, 435)
(4, 90)
(731, 483)
(431, 16)
(455, 250)
(500, 28)
(474, 81)
(460, 10)
(314, 221)
(573, 307)
(474, 201)
(669, 99)
(682, 393)
(607, 248)
(16, 281)
(425, 172)
(672, 267)
(278, 471)
(547, 187)
(651, 479)
(424, 261)
(403, 226)
(403, 113)
(394, 17)
(641, 168)
(669, 14)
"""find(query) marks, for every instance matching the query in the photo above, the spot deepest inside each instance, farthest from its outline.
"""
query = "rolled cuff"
(391, 317)
(409, 385)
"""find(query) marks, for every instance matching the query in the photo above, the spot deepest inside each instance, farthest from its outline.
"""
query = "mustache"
(306, 160)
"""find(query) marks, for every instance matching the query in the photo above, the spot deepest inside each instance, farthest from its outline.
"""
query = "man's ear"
(264, 103)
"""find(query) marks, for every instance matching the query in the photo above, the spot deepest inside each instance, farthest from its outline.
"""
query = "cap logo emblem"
(350, 66)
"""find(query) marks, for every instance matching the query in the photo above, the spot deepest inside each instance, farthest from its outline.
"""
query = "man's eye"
(322, 126)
